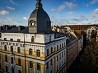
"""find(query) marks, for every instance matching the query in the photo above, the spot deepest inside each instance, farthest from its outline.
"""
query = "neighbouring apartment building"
(32, 49)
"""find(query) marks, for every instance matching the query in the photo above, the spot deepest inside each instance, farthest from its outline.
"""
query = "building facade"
(35, 49)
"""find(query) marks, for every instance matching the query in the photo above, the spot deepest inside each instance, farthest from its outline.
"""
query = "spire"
(38, 4)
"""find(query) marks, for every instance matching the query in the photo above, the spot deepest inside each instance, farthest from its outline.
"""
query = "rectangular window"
(18, 40)
(13, 44)
(47, 65)
(6, 68)
(38, 66)
(64, 44)
(62, 54)
(57, 47)
(0, 65)
(12, 49)
(18, 49)
(47, 52)
(57, 58)
(51, 61)
(19, 71)
(0, 57)
(51, 49)
(19, 61)
(12, 70)
(5, 47)
(31, 64)
(51, 71)
(60, 46)
(12, 60)
(5, 58)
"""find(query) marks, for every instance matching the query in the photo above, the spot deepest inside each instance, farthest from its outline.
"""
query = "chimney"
(20, 28)
(6, 27)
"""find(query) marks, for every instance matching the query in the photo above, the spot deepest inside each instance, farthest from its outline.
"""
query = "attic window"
(32, 23)
(32, 39)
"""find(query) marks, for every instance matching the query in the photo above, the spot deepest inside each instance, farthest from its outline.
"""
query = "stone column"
(42, 69)
(26, 67)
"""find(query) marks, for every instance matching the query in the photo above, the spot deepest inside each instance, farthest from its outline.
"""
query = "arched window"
(38, 53)
(30, 51)
(32, 39)
(12, 49)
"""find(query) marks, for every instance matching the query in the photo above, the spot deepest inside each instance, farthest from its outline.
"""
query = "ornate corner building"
(32, 49)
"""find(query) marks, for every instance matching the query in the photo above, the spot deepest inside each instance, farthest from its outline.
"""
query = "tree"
(89, 58)
(93, 34)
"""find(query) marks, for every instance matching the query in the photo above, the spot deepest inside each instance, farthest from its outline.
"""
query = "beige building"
(32, 49)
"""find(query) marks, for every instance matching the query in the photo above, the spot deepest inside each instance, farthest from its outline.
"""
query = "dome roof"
(39, 13)
(39, 21)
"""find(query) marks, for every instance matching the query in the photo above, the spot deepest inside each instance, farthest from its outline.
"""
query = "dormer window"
(32, 39)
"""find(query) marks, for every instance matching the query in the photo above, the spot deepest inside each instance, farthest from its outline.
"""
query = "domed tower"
(39, 21)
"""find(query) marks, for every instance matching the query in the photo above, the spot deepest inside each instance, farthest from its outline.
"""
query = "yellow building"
(33, 49)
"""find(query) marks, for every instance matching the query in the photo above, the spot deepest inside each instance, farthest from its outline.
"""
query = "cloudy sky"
(61, 12)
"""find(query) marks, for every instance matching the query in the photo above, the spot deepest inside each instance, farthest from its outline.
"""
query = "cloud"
(69, 12)
(12, 2)
(12, 21)
(94, 1)
(67, 5)
(6, 21)
(70, 5)
(75, 19)
(95, 12)
(25, 18)
(83, 18)
(87, 5)
(10, 8)
(4, 12)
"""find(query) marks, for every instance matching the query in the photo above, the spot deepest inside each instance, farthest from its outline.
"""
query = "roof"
(77, 27)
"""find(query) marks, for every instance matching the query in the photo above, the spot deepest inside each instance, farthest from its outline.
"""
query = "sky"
(61, 12)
